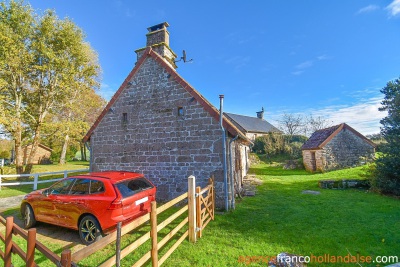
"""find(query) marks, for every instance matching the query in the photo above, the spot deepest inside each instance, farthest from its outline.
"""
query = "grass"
(24, 189)
(282, 219)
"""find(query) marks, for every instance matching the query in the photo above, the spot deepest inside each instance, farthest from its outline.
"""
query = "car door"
(46, 206)
(73, 203)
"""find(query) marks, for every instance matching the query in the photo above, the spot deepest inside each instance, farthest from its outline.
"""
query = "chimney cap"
(158, 27)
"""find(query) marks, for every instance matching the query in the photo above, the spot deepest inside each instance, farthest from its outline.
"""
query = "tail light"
(116, 204)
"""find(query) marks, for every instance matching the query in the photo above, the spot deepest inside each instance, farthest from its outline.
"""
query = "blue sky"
(325, 58)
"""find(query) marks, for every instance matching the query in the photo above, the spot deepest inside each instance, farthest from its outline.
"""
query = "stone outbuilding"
(42, 155)
(253, 127)
(336, 147)
(158, 124)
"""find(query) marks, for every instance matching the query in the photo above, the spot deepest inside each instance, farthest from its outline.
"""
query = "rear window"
(130, 187)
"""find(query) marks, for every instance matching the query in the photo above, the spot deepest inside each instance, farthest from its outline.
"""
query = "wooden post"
(30, 250)
(66, 258)
(198, 212)
(153, 234)
(118, 246)
(211, 183)
(65, 174)
(8, 241)
(192, 208)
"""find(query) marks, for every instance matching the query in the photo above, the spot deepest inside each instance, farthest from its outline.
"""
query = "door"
(313, 161)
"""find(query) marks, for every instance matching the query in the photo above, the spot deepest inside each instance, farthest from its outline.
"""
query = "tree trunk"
(64, 149)
(19, 164)
(83, 152)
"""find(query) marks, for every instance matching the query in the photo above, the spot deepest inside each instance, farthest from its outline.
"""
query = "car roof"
(115, 176)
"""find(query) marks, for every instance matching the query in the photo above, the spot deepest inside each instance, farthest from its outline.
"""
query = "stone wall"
(347, 149)
(157, 128)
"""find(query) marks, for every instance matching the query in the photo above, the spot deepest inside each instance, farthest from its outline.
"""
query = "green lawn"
(282, 219)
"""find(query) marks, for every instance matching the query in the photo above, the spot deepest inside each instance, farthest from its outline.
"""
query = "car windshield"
(130, 187)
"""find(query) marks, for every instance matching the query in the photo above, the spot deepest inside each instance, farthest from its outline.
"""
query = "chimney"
(260, 114)
(158, 40)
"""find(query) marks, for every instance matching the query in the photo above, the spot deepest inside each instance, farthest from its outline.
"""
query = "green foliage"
(47, 70)
(387, 175)
(275, 144)
(5, 154)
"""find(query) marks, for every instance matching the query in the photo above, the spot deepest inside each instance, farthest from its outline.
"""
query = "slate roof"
(149, 52)
(321, 137)
(251, 124)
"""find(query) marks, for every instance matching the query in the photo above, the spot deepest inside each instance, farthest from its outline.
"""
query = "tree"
(291, 124)
(316, 123)
(387, 175)
(53, 64)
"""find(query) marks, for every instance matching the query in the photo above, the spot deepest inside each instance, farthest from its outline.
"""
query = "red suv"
(92, 204)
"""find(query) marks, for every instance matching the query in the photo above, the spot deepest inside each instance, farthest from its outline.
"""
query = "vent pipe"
(221, 114)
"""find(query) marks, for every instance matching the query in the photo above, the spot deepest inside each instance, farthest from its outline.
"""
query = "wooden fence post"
(198, 212)
(153, 234)
(192, 208)
(118, 245)
(30, 250)
(66, 258)
(8, 241)
(211, 183)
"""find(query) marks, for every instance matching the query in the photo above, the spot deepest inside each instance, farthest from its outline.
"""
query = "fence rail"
(36, 176)
(32, 244)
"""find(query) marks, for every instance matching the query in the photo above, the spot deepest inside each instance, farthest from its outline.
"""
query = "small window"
(62, 187)
(180, 111)
(124, 118)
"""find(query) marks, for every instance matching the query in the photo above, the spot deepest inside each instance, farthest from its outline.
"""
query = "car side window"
(62, 188)
(80, 187)
(96, 187)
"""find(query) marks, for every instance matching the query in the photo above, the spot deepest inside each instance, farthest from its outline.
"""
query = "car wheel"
(28, 216)
(89, 230)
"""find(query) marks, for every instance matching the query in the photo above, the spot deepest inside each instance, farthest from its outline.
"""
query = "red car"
(93, 203)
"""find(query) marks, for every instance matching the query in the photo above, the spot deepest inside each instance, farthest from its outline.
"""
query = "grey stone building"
(336, 147)
(159, 125)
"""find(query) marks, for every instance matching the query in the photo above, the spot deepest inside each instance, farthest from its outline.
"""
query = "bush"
(5, 154)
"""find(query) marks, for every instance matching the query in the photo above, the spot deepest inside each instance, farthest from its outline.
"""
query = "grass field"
(280, 218)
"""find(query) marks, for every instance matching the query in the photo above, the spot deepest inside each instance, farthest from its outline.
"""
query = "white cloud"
(394, 8)
(363, 116)
(367, 9)
(305, 65)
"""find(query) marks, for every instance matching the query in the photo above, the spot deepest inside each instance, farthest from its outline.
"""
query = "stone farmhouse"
(159, 125)
(253, 127)
(336, 147)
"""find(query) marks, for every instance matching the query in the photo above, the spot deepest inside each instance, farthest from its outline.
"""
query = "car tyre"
(28, 216)
(89, 230)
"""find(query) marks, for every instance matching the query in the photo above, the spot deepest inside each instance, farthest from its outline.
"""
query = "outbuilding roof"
(252, 124)
(321, 137)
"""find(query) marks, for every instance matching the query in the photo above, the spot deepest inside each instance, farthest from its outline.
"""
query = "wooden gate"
(205, 206)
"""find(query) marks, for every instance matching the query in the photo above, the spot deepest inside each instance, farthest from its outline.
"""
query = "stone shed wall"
(157, 128)
(347, 149)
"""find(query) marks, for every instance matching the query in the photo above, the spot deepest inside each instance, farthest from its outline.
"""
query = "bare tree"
(316, 123)
(291, 123)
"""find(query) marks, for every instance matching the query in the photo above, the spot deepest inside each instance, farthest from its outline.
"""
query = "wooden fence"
(36, 176)
(200, 211)
(28, 257)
